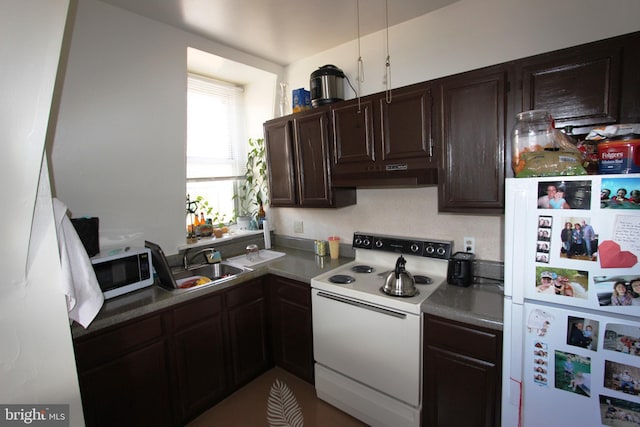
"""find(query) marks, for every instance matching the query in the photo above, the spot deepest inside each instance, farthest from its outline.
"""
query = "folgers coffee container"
(619, 155)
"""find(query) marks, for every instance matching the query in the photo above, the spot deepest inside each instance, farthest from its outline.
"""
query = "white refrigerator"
(571, 315)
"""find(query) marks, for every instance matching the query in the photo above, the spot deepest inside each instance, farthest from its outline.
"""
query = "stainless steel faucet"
(209, 255)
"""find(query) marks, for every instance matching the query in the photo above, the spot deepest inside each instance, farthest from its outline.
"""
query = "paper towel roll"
(267, 234)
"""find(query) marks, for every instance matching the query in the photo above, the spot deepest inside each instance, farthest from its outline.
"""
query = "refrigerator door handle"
(515, 226)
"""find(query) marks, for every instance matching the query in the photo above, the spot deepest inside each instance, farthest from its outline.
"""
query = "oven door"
(376, 346)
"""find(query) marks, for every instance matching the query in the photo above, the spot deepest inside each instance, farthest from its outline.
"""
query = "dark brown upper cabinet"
(299, 162)
(454, 131)
(380, 143)
(280, 159)
(579, 86)
(473, 135)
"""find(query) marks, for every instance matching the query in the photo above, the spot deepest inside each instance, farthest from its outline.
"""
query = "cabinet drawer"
(479, 343)
(107, 346)
(196, 311)
(244, 293)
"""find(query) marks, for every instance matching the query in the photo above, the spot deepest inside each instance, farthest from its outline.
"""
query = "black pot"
(327, 85)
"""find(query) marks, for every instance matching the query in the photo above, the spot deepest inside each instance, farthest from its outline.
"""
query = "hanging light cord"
(360, 77)
(388, 61)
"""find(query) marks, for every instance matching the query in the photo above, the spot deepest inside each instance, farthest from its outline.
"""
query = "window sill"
(232, 235)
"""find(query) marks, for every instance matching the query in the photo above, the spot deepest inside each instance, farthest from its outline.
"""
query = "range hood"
(381, 179)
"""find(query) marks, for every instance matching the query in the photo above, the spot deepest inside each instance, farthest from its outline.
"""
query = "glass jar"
(533, 131)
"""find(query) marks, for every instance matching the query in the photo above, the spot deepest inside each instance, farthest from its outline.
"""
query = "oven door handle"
(362, 305)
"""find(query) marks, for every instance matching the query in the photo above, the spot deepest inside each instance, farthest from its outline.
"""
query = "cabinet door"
(248, 334)
(630, 84)
(461, 391)
(385, 144)
(279, 152)
(291, 330)
(130, 391)
(578, 86)
(473, 138)
(405, 124)
(199, 355)
(461, 369)
(124, 376)
(312, 155)
(353, 138)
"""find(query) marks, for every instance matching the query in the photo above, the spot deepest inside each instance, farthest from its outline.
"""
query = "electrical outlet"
(470, 244)
(297, 227)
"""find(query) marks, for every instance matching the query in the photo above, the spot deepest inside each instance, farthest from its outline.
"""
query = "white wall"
(37, 365)
(119, 148)
(465, 35)
(118, 151)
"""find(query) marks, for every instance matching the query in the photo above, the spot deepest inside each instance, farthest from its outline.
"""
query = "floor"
(248, 406)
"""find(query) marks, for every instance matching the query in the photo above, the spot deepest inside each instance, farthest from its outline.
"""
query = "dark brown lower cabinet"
(124, 375)
(246, 306)
(199, 349)
(166, 369)
(461, 374)
(291, 328)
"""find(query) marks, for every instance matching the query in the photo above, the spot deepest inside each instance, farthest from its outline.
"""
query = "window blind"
(215, 144)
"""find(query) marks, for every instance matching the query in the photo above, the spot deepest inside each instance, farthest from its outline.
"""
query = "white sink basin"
(264, 255)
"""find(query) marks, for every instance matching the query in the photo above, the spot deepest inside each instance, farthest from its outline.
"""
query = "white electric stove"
(368, 344)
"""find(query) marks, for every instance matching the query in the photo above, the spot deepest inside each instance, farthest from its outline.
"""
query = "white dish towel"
(79, 282)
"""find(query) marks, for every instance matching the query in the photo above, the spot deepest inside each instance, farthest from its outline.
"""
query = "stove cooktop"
(376, 256)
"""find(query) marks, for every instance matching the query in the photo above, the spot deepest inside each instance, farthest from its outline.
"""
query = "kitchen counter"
(298, 265)
(479, 304)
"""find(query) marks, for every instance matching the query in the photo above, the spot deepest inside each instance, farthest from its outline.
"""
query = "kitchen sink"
(204, 276)
(199, 276)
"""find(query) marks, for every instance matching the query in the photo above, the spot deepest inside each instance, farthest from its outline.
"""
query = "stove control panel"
(440, 249)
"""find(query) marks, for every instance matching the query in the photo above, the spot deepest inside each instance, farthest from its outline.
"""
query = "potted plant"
(254, 190)
(215, 222)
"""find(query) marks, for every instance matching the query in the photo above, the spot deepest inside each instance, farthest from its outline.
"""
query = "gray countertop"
(479, 304)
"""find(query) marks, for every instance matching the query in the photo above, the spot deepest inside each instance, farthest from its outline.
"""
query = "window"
(216, 147)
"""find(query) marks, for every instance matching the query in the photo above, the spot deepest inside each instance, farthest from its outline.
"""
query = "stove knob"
(414, 248)
(430, 249)
(357, 241)
(379, 243)
(441, 251)
(365, 243)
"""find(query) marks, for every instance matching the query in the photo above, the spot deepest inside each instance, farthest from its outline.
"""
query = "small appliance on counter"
(460, 269)
(124, 270)
(327, 85)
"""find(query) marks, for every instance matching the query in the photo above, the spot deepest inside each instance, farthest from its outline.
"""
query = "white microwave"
(123, 270)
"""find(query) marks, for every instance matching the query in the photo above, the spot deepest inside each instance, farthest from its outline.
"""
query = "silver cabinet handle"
(363, 305)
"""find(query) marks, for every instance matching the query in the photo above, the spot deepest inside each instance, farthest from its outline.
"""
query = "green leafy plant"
(254, 190)
(203, 206)
(217, 218)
